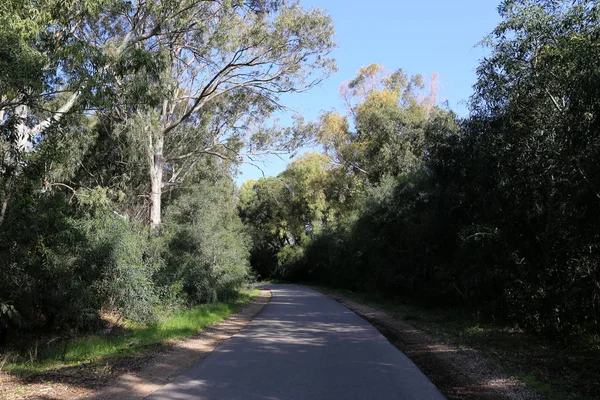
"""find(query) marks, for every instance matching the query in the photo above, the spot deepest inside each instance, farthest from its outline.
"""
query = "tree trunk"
(19, 145)
(4, 206)
(156, 179)
(24, 133)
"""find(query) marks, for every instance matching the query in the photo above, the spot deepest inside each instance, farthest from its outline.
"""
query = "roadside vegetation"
(122, 128)
(495, 212)
(492, 216)
(123, 125)
(126, 338)
(555, 371)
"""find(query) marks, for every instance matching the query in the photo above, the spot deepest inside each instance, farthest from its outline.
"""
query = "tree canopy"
(123, 125)
(115, 114)
(494, 212)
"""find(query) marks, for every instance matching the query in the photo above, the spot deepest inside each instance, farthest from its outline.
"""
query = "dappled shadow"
(303, 346)
(129, 376)
(460, 373)
(73, 381)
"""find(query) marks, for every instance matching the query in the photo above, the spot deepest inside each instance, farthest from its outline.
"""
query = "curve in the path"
(304, 345)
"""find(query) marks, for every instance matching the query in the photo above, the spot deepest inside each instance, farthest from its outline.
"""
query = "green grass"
(546, 390)
(136, 338)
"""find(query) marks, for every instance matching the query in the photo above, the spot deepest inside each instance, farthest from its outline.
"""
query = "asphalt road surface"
(303, 345)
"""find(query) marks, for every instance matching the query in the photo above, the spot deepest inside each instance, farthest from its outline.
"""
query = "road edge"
(182, 356)
(457, 373)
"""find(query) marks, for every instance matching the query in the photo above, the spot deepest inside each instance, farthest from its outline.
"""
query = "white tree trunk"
(4, 207)
(156, 179)
(19, 145)
(24, 133)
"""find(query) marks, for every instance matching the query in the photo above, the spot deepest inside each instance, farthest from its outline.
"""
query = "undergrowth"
(132, 338)
(557, 370)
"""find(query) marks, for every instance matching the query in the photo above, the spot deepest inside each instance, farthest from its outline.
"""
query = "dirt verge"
(130, 377)
(458, 373)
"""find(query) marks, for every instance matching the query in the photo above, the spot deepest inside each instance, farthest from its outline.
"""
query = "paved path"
(303, 345)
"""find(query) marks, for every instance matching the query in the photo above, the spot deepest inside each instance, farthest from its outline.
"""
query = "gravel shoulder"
(183, 355)
(458, 373)
(304, 346)
(132, 376)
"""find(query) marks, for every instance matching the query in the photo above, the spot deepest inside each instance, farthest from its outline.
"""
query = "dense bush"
(68, 265)
(103, 132)
(496, 212)
(207, 246)
(67, 255)
(64, 268)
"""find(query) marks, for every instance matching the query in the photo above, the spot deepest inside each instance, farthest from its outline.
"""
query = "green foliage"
(63, 269)
(208, 250)
(41, 49)
(285, 212)
(82, 253)
(135, 338)
(122, 254)
(390, 113)
(10, 313)
(496, 212)
(101, 110)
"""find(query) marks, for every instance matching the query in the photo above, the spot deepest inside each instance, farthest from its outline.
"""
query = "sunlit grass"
(135, 339)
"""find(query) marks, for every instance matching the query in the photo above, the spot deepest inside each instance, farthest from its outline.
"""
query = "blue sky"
(424, 37)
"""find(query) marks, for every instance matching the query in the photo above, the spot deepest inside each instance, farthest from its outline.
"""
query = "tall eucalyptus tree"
(190, 77)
